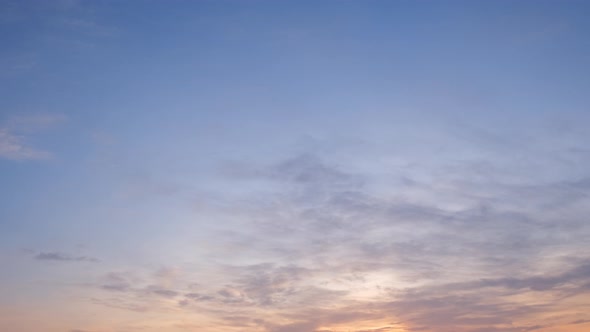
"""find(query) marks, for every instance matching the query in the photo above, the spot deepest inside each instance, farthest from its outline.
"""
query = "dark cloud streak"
(55, 256)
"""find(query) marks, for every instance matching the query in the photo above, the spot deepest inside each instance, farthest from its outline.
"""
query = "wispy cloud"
(359, 257)
(56, 256)
(16, 132)
(15, 147)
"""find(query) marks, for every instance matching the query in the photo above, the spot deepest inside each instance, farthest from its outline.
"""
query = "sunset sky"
(295, 166)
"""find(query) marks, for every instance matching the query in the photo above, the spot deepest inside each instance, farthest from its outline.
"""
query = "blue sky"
(294, 166)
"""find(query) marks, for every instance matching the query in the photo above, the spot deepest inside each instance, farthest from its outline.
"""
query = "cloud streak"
(14, 147)
(60, 257)
(16, 131)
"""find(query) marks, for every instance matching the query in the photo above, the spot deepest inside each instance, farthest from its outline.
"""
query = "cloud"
(119, 281)
(122, 303)
(16, 131)
(266, 285)
(488, 305)
(165, 292)
(308, 169)
(444, 255)
(326, 251)
(295, 327)
(199, 297)
(55, 256)
(14, 147)
(538, 283)
(166, 276)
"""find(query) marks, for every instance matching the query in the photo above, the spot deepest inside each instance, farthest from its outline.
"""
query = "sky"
(294, 166)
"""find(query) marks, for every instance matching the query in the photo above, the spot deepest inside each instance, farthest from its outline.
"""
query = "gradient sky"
(295, 166)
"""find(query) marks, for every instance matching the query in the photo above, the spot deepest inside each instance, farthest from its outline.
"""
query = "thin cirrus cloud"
(61, 257)
(17, 131)
(14, 147)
